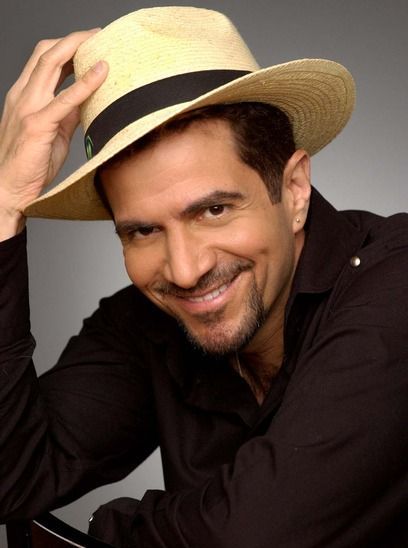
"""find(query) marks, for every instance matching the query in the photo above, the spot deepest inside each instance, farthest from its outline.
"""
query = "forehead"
(180, 165)
(177, 134)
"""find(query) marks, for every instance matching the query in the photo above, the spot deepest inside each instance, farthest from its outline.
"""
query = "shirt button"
(355, 261)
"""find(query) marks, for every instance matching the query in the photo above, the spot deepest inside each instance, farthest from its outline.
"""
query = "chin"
(216, 343)
(218, 337)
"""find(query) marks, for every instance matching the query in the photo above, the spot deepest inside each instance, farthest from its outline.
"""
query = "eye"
(129, 235)
(144, 231)
(214, 211)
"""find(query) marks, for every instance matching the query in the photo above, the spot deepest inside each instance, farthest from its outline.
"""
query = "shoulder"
(388, 232)
(363, 317)
(351, 376)
(378, 268)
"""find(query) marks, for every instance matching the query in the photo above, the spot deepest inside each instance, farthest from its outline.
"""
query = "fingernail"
(98, 67)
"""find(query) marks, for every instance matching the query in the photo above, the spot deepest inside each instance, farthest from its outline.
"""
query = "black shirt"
(323, 461)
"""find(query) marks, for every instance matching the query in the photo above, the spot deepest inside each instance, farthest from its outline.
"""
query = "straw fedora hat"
(165, 61)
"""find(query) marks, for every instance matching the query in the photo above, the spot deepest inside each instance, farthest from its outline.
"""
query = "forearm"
(16, 371)
(53, 439)
(14, 302)
(27, 456)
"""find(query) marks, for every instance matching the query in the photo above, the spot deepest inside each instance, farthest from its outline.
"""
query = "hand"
(37, 124)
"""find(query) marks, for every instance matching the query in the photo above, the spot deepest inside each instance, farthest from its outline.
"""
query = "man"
(262, 344)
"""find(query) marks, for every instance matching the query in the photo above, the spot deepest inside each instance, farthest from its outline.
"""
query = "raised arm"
(41, 460)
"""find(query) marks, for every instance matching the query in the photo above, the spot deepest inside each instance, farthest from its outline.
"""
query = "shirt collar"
(331, 240)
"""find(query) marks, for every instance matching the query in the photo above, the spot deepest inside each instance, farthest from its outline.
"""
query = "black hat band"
(151, 98)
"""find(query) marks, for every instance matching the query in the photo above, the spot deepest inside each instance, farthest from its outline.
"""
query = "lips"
(202, 304)
(209, 296)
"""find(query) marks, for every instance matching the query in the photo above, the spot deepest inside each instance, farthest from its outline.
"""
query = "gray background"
(72, 265)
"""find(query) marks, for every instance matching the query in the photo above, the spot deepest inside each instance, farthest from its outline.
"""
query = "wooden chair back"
(49, 532)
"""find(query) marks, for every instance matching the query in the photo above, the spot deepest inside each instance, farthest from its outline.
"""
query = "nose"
(188, 257)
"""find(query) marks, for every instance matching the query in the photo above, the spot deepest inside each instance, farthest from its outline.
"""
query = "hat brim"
(318, 96)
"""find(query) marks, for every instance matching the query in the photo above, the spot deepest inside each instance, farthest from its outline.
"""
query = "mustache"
(218, 276)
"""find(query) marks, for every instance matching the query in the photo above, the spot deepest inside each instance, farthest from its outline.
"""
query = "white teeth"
(209, 296)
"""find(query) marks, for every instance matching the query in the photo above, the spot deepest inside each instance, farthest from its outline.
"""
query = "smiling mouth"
(210, 289)
(209, 296)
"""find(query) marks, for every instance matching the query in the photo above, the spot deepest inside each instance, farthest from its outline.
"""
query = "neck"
(259, 367)
(259, 362)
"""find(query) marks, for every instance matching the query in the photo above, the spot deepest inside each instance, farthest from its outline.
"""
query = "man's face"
(201, 238)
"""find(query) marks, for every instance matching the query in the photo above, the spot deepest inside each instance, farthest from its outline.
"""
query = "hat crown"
(156, 43)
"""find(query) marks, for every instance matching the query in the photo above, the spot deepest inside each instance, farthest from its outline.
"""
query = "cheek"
(140, 268)
(143, 268)
(273, 248)
(256, 239)
(246, 237)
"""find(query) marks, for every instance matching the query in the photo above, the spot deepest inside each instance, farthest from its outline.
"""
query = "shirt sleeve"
(14, 307)
(331, 468)
(54, 445)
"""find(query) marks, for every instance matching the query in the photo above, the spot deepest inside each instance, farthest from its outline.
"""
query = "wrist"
(12, 220)
(11, 223)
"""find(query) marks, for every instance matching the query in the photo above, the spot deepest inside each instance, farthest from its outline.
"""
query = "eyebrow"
(214, 198)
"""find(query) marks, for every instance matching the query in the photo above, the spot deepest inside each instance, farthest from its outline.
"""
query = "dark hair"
(262, 132)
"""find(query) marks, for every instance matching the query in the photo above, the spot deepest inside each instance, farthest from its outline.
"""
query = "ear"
(297, 188)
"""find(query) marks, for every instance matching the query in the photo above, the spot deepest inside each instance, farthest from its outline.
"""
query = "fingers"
(69, 124)
(47, 71)
(66, 71)
(73, 96)
(48, 66)
(39, 49)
